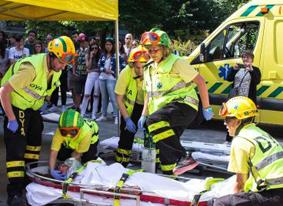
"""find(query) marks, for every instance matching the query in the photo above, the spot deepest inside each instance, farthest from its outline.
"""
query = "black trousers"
(265, 198)
(126, 140)
(65, 153)
(166, 126)
(63, 88)
(22, 147)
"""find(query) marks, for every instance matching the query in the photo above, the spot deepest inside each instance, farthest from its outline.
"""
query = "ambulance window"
(240, 37)
(215, 48)
(233, 40)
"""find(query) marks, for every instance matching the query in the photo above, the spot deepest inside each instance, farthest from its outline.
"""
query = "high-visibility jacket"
(131, 91)
(266, 171)
(33, 95)
(163, 87)
(74, 143)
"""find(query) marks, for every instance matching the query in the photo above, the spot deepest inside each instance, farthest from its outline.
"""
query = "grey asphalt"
(213, 131)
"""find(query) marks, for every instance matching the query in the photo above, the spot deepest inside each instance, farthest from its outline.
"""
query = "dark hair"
(122, 49)
(32, 31)
(248, 120)
(97, 55)
(3, 34)
(3, 44)
(111, 40)
(38, 42)
(18, 38)
(248, 53)
(74, 32)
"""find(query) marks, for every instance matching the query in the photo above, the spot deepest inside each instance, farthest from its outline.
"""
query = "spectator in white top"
(128, 43)
(18, 51)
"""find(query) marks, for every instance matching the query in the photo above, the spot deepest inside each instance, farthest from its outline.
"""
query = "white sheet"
(101, 174)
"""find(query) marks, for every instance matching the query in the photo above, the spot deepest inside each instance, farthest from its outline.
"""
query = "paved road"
(210, 132)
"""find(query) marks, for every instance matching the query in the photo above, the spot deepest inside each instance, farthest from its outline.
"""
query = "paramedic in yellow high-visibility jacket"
(171, 102)
(24, 89)
(130, 99)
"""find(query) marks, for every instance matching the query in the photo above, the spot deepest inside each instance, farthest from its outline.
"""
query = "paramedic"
(75, 137)
(130, 98)
(255, 157)
(24, 89)
(171, 102)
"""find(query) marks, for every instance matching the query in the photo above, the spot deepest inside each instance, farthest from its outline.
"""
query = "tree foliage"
(182, 19)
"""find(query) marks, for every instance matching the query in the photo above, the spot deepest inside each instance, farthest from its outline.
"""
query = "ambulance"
(256, 26)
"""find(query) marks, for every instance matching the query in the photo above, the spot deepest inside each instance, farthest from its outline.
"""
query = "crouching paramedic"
(130, 98)
(255, 157)
(171, 102)
(75, 137)
(24, 89)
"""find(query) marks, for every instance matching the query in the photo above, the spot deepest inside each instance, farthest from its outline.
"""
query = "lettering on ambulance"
(22, 121)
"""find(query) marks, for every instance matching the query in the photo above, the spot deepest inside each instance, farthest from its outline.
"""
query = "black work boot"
(16, 200)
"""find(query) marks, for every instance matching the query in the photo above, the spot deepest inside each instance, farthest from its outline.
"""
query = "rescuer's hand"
(43, 108)
(130, 125)
(57, 175)
(13, 125)
(141, 122)
(207, 113)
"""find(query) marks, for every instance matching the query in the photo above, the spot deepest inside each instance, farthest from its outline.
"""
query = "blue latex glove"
(58, 175)
(207, 113)
(13, 125)
(141, 122)
(43, 108)
(130, 125)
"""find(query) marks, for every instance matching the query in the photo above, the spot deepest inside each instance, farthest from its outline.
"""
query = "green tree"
(182, 19)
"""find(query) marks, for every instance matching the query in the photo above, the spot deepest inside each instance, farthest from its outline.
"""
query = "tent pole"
(117, 65)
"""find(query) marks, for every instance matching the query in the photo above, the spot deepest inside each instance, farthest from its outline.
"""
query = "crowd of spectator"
(91, 80)
(93, 77)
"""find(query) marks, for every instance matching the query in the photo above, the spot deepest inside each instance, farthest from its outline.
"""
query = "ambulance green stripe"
(261, 90)
(227, 90)
(214, 87)
(276, 92)
(249, 10)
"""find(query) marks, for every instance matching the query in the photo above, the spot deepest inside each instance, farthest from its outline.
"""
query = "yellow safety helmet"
(138, 54)
(64, 49)
(239, 107)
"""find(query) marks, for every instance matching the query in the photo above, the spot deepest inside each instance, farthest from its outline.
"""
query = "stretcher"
(100, 184)
(208, 155)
